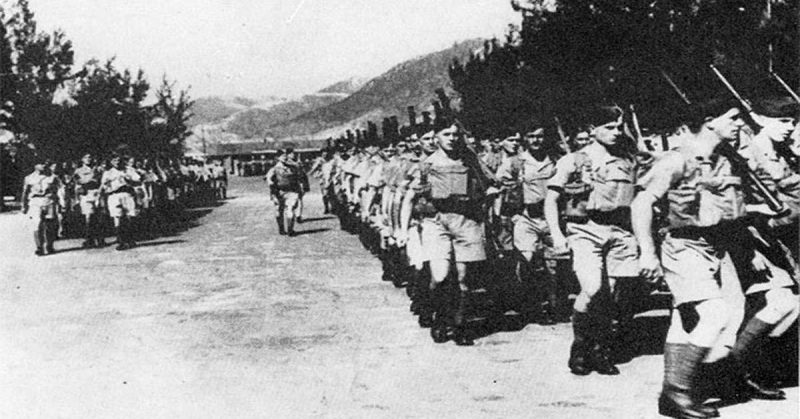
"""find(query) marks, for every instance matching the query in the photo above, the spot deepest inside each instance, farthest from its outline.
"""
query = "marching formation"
(138, 198)
(474, 229)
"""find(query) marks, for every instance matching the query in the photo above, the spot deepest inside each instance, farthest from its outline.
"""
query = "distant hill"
(409, 83)
(328, 112)
(219, 120)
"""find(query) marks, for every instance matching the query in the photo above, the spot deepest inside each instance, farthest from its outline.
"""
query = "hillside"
(328, 112)
(409, 83)
(213, 109)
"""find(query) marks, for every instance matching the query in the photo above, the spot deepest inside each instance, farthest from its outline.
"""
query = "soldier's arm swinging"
(24, 197)
(642, 222)
(552, 218)
(405, 216)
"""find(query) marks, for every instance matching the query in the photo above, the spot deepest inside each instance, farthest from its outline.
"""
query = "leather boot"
(676, 399)
(672, 353)
(439, 304)
(601, 335)
(425, 309)
(463, 335)
(578, 362)
(746, 348)
(121, 237)
(281, 229)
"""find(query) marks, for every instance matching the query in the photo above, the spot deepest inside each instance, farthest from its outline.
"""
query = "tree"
(34, 66)
(576, 52)
(171, 112)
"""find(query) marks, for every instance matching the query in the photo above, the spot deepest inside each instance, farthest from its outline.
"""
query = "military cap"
(777, 107)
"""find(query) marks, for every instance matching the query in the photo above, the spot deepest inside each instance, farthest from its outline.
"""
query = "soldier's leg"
(299, 212)
(587, 247)
(87, 230)
(437, 246)
(38, 232)
(690, 269)
(628, 292)
(526, 243)
(279, 213)
(469, 238)
(777, 305)
(50, 233)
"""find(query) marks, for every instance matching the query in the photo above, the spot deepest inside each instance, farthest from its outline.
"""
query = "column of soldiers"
(136, 197)
(524, 220)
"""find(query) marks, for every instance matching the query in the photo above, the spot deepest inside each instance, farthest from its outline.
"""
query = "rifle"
(562, 135)
(785, 86)
(637, 130)
(740, 162)
(781, 148)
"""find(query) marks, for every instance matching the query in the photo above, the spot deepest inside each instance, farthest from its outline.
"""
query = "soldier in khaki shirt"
(594, 188)
(87, 187)
(39, 204)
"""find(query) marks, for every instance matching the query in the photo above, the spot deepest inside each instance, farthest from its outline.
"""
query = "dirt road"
(229, 320)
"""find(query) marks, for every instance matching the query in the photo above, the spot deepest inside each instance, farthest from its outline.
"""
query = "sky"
(259, 48)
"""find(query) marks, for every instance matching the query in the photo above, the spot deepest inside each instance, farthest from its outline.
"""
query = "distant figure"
(287, 181)
(39, 203)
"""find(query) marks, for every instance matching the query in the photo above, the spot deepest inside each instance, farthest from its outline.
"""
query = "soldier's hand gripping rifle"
(739, 162)
(562, 135)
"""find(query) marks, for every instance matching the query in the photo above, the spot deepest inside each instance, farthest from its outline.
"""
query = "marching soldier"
(766, 266)
(531, 236)
(449, 191)
(117, 183)
(87, 187)
(286, 180)
(40, 204)
(595, 187)
(704, 203)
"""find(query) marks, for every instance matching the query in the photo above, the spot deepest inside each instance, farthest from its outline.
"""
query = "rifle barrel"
(788, 89)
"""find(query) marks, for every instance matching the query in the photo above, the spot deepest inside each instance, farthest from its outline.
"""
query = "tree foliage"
(62, 113)
(581, 52)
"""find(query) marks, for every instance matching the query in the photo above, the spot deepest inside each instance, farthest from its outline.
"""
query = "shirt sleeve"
(666, 171)
(565, 167)
(507, 172)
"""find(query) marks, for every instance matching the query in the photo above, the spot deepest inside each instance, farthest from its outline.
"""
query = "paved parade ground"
(227, 319)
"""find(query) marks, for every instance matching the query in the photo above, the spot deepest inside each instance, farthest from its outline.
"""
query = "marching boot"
(37, 239)
(87, 232)
(425, 307)
(50, 234)
(677, 398)
(122, 233)
(463, 334)
(601, 332)
(281, 229)
(745, 350)
(548, 293)
(131, 228)
(672, 353)
(439, 302)
(578, 362)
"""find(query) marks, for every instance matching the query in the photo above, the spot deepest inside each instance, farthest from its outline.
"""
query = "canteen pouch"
(577, 189)
(447, 181)
(614, 189)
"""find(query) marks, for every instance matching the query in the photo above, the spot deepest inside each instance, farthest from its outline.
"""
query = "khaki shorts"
(40, 208)
(414, 250)
(530, 234)
(449, 235)
(776, 276)
(122, 204)
(89, 202)
(288, 201)
(691, 269)
(598, 246)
